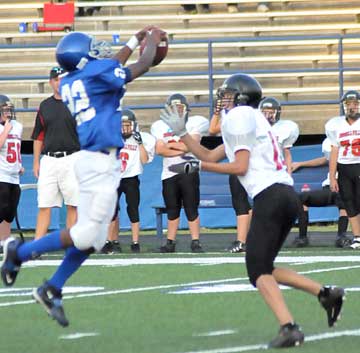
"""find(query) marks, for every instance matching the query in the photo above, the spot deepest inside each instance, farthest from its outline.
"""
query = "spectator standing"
(139, 149)
(239, 196)
(10, 166)
(344, 135)
(320, 198)
(92, 89)
(55, 138)
(179, 189)
(253, 154)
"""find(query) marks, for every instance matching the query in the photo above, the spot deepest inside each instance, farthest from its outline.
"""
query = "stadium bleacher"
(32, 54)
(301, 51)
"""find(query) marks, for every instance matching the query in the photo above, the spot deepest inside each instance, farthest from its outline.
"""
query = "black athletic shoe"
(51, 299)
(237, 246)
(135, 247)
(108, 248)
(300, 242)
(331, 299)
(10, 266)
(116, 247)
(289, 335)
(343, 242)
(196, 246)
(168, 247)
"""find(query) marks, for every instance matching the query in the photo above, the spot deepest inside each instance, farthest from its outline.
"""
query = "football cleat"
(108, 248)
(300, 242)
(11, 264)
(355, 244)
(116, 247)
(168, 247)
(237, 246)
(135, 247)
(289, 335)
(196, 246)
(343, 242)
(331, 299)
(51, 299)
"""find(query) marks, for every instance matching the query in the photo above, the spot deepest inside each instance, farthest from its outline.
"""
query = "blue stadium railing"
(210, 73)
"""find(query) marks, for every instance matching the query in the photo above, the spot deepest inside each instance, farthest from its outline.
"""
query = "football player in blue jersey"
(92, 90)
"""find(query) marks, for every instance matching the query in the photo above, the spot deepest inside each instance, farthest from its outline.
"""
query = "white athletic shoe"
(355, 243)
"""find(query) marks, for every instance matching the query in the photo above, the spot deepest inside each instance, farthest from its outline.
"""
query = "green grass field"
(183, 303)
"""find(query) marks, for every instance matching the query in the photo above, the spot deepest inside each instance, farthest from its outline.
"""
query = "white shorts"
(99, 177)
(57, 182)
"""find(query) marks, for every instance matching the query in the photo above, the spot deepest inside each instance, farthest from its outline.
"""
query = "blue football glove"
(188, 167)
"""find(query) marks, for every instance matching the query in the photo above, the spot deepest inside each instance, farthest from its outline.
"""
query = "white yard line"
(319, 337)
(162, 287)
(196, 261)
(77, 335)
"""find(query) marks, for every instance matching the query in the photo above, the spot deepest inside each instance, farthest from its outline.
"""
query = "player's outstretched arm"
(311, 163)
(170, 116)
(124, 53)
(145, 61)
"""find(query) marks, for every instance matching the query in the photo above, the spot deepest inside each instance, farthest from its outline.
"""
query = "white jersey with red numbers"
(245, 128)
(196, 125)
(10, 157)
(130, 155)
(286, 133)
(346, 137)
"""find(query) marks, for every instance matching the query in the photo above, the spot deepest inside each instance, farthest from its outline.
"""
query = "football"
(161, 50)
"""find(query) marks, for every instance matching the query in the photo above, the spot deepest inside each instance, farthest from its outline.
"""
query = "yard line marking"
(19, 292)
(318, 337)
(196, 261)
(142, 289)
(215, 333)
(74, 336)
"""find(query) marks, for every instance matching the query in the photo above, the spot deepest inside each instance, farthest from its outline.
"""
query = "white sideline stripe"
(74, 336)
(195, 261)
(215, 333)
(321, 336)
(142, 289)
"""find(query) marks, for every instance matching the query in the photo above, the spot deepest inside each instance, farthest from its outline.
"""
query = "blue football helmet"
(75, 49)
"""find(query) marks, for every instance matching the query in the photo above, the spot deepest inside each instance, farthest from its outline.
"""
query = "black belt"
(59, 154)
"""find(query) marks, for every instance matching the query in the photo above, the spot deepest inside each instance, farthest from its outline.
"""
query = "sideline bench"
(215, 191)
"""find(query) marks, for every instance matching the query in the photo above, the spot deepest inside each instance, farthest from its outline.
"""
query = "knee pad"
(257, 266)
(84, 235)
(191, 213)
(173, 213)
(133, 214)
